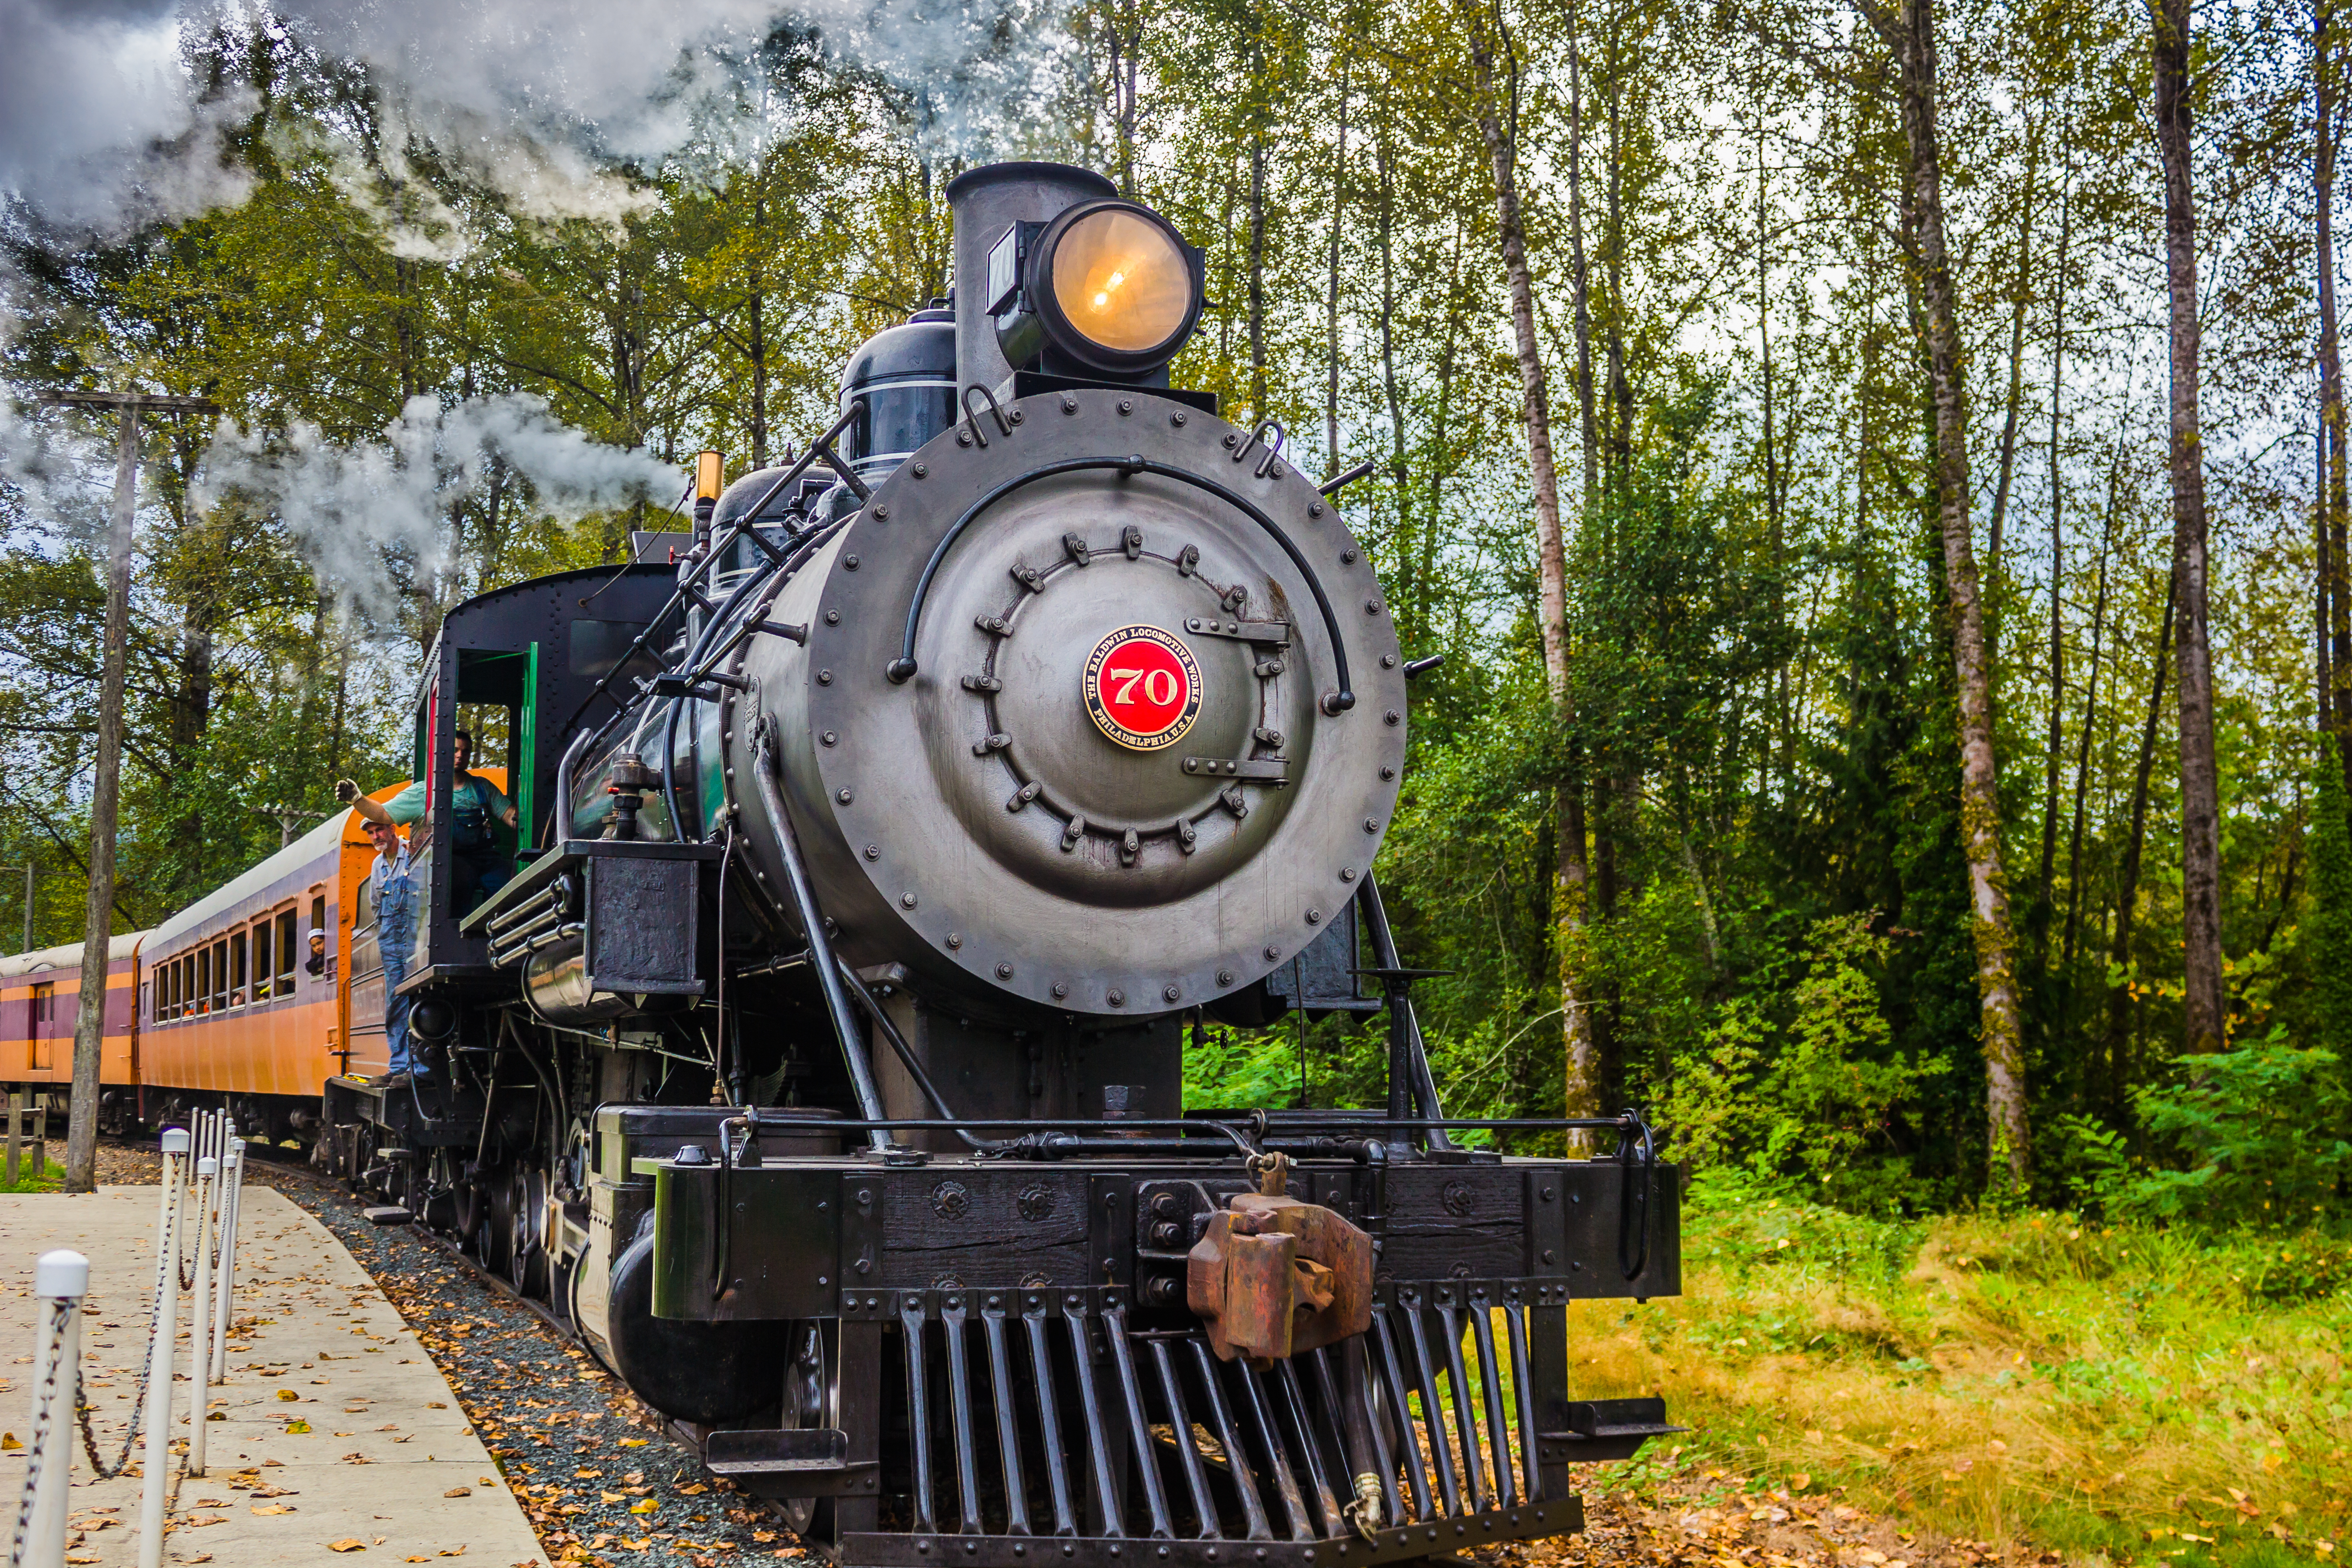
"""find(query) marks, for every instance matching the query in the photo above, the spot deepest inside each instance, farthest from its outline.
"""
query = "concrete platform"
(388, 1442)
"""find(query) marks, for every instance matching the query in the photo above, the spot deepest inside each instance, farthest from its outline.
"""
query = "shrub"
(2258, 1135)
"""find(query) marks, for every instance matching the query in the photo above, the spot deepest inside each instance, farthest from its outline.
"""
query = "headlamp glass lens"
(1122, 279)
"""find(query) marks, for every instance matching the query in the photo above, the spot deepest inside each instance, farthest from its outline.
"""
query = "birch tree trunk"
(2335, 628)
(1581, 279)
(2128, 895)
(1331, 319)
(1498, 123)
(2016, 372)
(2203, 1021)
(1907, 28)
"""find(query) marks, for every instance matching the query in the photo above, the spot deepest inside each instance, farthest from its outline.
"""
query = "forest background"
(1773, 412)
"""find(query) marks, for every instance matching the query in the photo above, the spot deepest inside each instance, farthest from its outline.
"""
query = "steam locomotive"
(820, 1061)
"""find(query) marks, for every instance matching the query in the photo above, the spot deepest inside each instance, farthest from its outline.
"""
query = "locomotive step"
(1613, 1428)
(789, 1461)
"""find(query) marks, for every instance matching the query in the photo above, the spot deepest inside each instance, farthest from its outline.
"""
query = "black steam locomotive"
(821, 1062)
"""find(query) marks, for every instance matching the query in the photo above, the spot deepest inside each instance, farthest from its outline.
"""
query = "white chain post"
(232, 1205)
(62, 1277)
(155, 1478)
(200, 1300)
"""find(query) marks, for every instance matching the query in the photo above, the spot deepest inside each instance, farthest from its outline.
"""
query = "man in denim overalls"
(477, 868)
(395, 892)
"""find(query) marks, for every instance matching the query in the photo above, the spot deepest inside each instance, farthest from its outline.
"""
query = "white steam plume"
(362, 513)
(100, 127)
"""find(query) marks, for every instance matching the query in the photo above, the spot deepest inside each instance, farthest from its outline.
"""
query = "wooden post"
(98, 923)
(15, 1120)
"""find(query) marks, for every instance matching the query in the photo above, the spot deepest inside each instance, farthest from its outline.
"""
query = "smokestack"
(986, 202)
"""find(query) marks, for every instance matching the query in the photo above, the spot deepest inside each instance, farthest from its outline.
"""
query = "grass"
(48, 1179)
(2114, 1395)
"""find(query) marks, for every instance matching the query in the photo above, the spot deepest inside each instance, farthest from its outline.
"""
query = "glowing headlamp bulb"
(1122, 281)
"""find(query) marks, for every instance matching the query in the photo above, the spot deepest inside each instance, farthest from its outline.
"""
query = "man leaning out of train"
(477, 869)
(396, 894)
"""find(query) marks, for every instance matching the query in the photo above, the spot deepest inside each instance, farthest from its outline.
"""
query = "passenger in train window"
(316, 963)
(477, 868)
(395, 892)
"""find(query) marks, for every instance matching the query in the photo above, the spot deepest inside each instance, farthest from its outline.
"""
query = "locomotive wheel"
(466, 1212)
(526, 1259)
(497, 1223)
(804, 1410)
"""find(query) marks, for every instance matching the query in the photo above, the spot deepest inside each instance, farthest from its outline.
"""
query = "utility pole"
(106, 796)
(290, 820)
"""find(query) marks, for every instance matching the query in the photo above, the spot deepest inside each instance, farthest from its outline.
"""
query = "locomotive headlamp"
(1108, 288)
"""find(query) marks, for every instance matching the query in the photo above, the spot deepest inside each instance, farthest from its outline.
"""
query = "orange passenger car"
(220, 1004)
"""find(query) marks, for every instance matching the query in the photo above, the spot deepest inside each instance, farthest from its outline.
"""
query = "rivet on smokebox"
(1117, 998)
(830, 739)
(1315, 917)
(824, 678)
(1061, 989)
(881, 514)
(1126, 405)
(1391, 717)
(1224, 977)
(844, 797)
(849, 562)
(1372, 824)
(1171, 993)
(1272, 953)
(1177, 419)
(1314, 509)
(955, 940)
(874, 852)
(905, 900)
(921, 469)
(832, 618)
(1004, 971)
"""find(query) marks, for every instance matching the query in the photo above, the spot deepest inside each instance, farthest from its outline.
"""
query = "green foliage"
(1798, 1081)
(2327, 933)
(2261, 1135)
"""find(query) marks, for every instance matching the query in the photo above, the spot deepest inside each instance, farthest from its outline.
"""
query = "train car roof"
(322, 843)
(68, 956)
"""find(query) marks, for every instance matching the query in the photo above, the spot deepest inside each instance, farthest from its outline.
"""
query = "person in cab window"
(477, 869)
(395, 894)
(316, 963)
